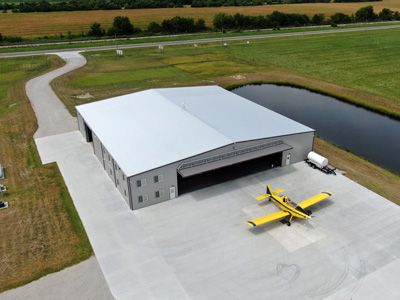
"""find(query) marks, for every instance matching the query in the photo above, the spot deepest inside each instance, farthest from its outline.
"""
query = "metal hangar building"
(159, 143)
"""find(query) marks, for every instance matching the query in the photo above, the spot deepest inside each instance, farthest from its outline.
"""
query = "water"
(363, 132)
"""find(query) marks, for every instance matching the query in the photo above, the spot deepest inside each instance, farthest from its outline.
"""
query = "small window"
(109, 157)
(117, 181)
(125, 192)
(123, 177)
(157, 194)
(156, 179)
(138, 183)
(140, 199)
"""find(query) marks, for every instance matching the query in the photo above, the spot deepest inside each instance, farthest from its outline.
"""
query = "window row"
(142, 182)
(143, 198)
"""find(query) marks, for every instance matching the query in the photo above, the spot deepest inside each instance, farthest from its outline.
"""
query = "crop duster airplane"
(289, 209)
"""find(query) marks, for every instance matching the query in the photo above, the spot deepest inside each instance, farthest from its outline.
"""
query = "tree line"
(75, 5)
(122, 26)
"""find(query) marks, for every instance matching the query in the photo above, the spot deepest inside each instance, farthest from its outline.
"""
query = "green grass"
(41, 230)
(179, 37)
(359, 67)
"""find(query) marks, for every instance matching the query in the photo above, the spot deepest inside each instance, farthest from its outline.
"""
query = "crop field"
(54, 23)
(40, 231)
(361, 67)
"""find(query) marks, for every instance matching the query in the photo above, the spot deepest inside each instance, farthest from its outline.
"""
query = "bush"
(318, 19)
(178, 25)
(386, 15)
(121, 26)
(154, 27)
(365, 14)
(96, 30)
(340, 18)
(10, 39)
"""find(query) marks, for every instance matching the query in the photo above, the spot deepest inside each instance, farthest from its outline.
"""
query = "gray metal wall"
(107, 161)
(301, 143)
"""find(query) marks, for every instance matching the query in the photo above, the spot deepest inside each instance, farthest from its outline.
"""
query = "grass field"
(361, 67)
(41, 231)
(54, 23)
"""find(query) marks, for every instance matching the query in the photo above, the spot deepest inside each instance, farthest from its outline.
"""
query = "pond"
(362, 132)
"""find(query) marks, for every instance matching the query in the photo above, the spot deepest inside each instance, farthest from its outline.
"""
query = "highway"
(198, 41)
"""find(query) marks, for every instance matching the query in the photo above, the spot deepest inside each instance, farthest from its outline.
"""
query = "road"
(51, 114)
(199, 41)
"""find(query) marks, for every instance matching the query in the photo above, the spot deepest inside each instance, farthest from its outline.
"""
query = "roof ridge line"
(195, 116)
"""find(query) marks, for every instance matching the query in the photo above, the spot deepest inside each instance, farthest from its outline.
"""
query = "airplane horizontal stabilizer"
(268, 218)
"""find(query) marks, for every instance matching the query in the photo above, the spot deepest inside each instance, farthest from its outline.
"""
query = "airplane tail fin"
(268, 193)
(269, 190)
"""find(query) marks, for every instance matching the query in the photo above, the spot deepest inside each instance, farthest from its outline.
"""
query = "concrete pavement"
(198, 41)
(130, 260)
(51, 114)
(198, 245)
(82, 281)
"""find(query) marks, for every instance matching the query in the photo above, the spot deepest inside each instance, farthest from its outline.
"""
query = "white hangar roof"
(149, 129)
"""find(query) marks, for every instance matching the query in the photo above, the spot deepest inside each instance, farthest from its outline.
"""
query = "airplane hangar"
(160, 143)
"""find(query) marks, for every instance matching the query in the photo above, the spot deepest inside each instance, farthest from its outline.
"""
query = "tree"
(200, 25)
(365, 14)
(222, 21)
(386, 15)
(154, 27)
(96, 30)
(122, 26)
(318, 19)
(340, 18)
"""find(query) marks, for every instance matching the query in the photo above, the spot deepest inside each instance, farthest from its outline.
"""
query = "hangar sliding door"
(227, 166)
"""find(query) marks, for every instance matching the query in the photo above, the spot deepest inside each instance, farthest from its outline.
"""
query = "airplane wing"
(268, 218)
(314, 199)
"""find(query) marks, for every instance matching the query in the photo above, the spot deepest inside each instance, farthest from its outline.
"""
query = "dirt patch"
(85, 96)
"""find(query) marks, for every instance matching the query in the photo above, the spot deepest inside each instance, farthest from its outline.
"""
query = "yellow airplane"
(289, 209)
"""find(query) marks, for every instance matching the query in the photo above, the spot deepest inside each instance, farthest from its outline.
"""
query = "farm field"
(362, 68)
(40, 231)
(55, 23)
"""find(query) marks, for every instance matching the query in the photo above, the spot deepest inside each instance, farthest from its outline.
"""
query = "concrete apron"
(126, 255)
(350, 250)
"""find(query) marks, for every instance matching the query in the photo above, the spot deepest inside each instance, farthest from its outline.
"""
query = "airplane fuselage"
(285, 206)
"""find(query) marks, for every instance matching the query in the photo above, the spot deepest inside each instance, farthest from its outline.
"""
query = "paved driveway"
(51, 114)
(82, 281)
(130, 260)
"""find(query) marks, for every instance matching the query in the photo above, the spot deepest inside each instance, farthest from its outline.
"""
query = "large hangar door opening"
(199, 181)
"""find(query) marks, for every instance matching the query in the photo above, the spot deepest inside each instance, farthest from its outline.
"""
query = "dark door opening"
(89, 136)
(196, 182)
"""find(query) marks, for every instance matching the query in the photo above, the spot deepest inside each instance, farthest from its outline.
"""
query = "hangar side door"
(231, 158)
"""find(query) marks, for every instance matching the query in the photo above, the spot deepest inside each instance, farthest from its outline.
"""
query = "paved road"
(82, 281)
(199, 41)
(51, 114)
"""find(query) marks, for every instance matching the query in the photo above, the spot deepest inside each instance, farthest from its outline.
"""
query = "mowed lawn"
(40, 231)
(54, 23)
(362, 67)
